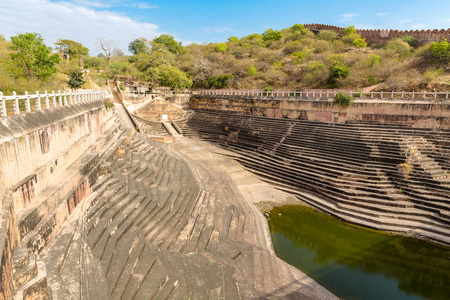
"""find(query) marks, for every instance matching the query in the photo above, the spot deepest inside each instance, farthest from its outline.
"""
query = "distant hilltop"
(380, 36)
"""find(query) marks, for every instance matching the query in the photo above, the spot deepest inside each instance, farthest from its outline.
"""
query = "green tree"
(360, 43)
(137, 46)
(343, 99)
(71, 47)
(350, 30)
(410, 40)
(219, 81)
(251, 71)
(221, 47)
(76, 78)
(297, 28)
(327, 35)
(440, 51)
(337, 70)
(169, 42)
(152, 60)
(272, 35)
(32, 56)
(173, 77)
(374, 60)
(233, 39)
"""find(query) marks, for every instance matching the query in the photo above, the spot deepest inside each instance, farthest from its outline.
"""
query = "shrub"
(233, 39)
(108, 104)
(220, 81)
(272, 35)
(410, 40)
(373, 60)
(343, 99)
(327, 35)
(337, 70)
(359, 43)
(399, 46)
(440, 51)
(433, 74)
(350, 38)
(350, 30)
(221, 47)
(251, 71)
(76, 78)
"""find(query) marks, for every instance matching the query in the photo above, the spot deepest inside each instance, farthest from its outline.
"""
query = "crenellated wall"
(414, 113)
(384, 35)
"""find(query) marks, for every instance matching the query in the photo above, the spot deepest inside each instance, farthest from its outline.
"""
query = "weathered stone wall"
(415, 113)
(384, 35)
(179, 100)
(35, 149)
(154, 111)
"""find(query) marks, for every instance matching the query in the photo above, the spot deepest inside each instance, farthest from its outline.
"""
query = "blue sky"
(206, 21)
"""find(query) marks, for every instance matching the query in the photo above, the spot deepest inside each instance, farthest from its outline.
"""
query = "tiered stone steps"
(356, 170)
(158, 227)
(149, 127)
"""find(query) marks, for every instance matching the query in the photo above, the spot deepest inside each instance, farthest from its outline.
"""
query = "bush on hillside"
(343, 99)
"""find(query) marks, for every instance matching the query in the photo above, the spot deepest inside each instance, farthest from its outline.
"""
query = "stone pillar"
(16, 104)
(38, 101)
(54, 98)
(60, 98)
(2, 105)
(27, 102)
(81, 62)
(47, 103)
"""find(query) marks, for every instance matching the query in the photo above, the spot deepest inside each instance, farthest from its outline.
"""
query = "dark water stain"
(356, 263)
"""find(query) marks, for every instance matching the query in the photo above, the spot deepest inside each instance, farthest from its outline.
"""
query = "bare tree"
(107, 46)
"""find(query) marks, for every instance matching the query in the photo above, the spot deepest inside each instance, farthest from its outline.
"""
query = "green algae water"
(356, 263)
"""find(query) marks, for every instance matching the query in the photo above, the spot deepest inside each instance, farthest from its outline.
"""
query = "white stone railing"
(325, 94)
(17, 104)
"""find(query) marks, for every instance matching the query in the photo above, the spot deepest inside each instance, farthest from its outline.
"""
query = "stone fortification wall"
(384, 35)
(414, 113)
(36, 149)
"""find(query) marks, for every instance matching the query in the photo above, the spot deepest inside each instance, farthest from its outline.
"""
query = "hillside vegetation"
(293, 58)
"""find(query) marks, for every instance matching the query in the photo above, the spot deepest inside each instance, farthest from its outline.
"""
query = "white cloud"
(418, 26)
(217, 29)
(143, 5)
(381, 14)
(75, 21)
(404, 21)
(349, 15)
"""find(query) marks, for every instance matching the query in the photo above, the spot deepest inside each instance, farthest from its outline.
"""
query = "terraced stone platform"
(384, 176)
(158, 225)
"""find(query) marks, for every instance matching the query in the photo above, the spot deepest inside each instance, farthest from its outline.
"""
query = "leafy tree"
(337, 70)
(233, 39)
(360, 43)
(150, 62)
(297, 28)
(440, 51)
(350, 30)
(173, 77)
(137, 46)
(169, 42)
(253, 36)
(374, 60)
(219, 82)
(272, 35)
(251, 71)
(76, 78)
(92, 62)
(410, 40)
(71, 47)
(327, 35)
(399, 46)
(350, 38)
(33, 56)
(221, 47)
(117, 67)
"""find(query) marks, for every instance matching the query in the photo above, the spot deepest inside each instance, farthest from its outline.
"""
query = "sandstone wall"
(414, 113)
(384, 35)
(35, 150)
